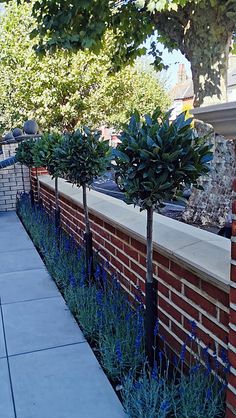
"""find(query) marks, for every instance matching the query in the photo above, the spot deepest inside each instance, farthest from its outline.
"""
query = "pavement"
(47, 369)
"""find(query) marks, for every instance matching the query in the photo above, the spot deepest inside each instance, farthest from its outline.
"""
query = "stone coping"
(201, 252)
(20, 138)
(220, 116)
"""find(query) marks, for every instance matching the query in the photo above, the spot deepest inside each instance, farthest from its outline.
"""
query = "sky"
(171, 59)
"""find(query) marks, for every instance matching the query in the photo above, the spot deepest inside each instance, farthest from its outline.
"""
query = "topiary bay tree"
(83, 156)
(25, 152)
(156, 159)
(44, 154)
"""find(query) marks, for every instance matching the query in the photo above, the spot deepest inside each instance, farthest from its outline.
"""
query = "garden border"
(184, 293)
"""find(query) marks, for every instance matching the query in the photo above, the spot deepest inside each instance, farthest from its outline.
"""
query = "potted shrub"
(156, 159)
(83, 156)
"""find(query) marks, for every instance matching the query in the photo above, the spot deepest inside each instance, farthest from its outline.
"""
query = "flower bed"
(116, 332)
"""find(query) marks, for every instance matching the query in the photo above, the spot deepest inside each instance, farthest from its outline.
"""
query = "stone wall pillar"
(231, 392)
(13, 179)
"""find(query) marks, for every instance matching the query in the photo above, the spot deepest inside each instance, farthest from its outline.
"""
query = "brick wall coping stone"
(202, 252)
(220, 116)
(20, 138)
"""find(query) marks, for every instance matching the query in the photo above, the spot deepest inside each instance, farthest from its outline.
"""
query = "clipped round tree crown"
(83, 156)
(45, 152)
(25, 153)
(157, 158)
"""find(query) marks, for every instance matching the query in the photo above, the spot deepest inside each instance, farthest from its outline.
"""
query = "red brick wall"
(34, 183)
(182, 295)
(231, 395)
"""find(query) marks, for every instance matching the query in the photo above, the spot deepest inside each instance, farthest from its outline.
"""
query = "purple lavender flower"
(155, 371)
(224, 356)
(137, 385)
(138, 342)
(72, 280)
(195, 368)
(164, 405)
(67, 245)
(83, 277)
(128, 315)
(209, 394)
(193, 334)
(97, 272)
(99, 297)
(118, 352)
(162, 338)
(183, 352)
(156, 328)
(104, 273)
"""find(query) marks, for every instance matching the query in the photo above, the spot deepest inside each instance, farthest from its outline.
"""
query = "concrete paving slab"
(6, 405)
(9, 220)
(26, 285)
(39, 324)
(21, 240)
(54, 372)
(65, 382)
(19, 260)
(2, 343)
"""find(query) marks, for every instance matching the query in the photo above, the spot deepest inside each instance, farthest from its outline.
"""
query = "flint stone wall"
(213, 205)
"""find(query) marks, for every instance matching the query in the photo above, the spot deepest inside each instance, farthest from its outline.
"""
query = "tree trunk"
(57, 208)
(151, 295)
(203, 33)
(206, 44)
(38, 185)
(23, 178)
(210, 79)
(87, 237)
(31, 193)
(56, 194)
(86, 215)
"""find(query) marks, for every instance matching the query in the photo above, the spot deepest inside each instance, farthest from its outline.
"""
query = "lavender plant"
(100, 306)
(166, 391)
(146, 395)
(117, 330)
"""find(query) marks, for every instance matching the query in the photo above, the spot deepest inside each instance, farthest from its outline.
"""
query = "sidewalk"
(47, 369)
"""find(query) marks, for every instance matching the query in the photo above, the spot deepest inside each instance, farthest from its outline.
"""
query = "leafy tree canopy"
(44, 153)
(25, 153)
(83, 156)
(64, 90)
(201, 29)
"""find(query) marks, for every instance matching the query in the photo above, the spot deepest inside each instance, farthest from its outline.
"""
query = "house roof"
(184, 90)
